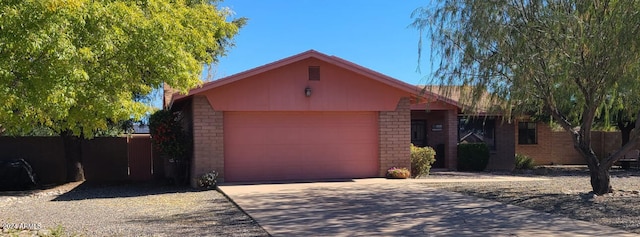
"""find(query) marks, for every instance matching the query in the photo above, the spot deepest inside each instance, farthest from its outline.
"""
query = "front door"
(419, 133)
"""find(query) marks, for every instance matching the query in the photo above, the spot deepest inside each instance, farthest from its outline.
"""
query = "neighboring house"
(140, 128)
(314, 116)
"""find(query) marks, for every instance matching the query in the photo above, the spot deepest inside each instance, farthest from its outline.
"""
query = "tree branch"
(634, 141)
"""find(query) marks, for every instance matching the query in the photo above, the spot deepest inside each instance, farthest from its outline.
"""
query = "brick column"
(503, 158)
(167, 95)
(451, 140)
(208, 143)
(394, 129)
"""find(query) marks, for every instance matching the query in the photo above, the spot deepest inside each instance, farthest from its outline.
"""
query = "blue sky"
(371, 33)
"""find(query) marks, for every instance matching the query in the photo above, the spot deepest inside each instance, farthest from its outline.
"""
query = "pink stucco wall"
(282, 89)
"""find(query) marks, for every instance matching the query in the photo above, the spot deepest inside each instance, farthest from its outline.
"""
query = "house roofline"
(416, 93)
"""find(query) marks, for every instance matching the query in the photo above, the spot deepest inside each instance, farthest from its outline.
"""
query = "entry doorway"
(419, 133)
(419, 138)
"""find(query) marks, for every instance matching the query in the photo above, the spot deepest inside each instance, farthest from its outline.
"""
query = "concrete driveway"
(381, 207)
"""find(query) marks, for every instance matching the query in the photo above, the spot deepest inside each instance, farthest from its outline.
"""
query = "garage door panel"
(262, 146)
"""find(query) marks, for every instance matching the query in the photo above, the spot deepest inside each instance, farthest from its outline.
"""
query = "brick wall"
(167, 95)
(556, 147)
(395, 137)
(561, 149)
(605, 142)
(451, 134)
(503, 157)
(432, 118)
(541, 152)
(208, 145)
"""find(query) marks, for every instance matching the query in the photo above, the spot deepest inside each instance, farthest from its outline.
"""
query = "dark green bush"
(421, 160)
(168, 135)
(524, 162)
(473, 156)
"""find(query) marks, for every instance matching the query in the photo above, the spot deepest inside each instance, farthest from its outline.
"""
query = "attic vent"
(314, 73)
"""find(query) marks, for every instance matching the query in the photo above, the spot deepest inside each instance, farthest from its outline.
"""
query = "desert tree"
(564, 58)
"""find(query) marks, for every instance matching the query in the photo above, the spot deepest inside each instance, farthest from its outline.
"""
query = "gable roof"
(395, 83)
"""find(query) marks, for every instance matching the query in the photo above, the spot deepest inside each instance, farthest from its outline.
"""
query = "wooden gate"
(140, 157)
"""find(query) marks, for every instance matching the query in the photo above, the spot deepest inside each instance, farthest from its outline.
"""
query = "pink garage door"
(264, 146)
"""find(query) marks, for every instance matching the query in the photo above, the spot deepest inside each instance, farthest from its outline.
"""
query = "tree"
(559, 57)
(75, 65)
(617, 110)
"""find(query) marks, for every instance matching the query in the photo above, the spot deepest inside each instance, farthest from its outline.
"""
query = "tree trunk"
(598, 170)
(625, 131)
(601, 181)
(600, 178)
(73, 156)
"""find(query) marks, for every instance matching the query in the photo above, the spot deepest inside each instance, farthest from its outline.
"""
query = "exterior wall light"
(307, 92)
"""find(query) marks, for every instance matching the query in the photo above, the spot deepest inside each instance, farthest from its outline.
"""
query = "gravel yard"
(128, 210)
(151, 210)
(566, 193)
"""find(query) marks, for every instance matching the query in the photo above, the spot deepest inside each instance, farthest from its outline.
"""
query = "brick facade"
(503, 157)
(208, 143)
(556, 147)
(451, 136)
(167, 95)
(395, 137)
(542, 152)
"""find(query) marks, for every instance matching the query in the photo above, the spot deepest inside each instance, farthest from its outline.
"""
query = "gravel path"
(129, 210)
(566, 193)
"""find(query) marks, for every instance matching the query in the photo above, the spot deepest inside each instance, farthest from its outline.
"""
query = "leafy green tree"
(618, 111)
(75, 65)
(564, 58)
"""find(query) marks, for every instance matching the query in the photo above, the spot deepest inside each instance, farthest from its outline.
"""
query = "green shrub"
(473, 156)
(421, 160)
(168, 135)
(524, 162)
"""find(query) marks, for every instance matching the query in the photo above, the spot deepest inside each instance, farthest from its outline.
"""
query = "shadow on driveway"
(392, 207)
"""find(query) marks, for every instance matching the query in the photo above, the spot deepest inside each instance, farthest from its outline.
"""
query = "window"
(314, 73)
(477, 130)
(527, 133)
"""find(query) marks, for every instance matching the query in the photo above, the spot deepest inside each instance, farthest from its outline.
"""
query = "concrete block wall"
(395, 137)
(208, 139)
